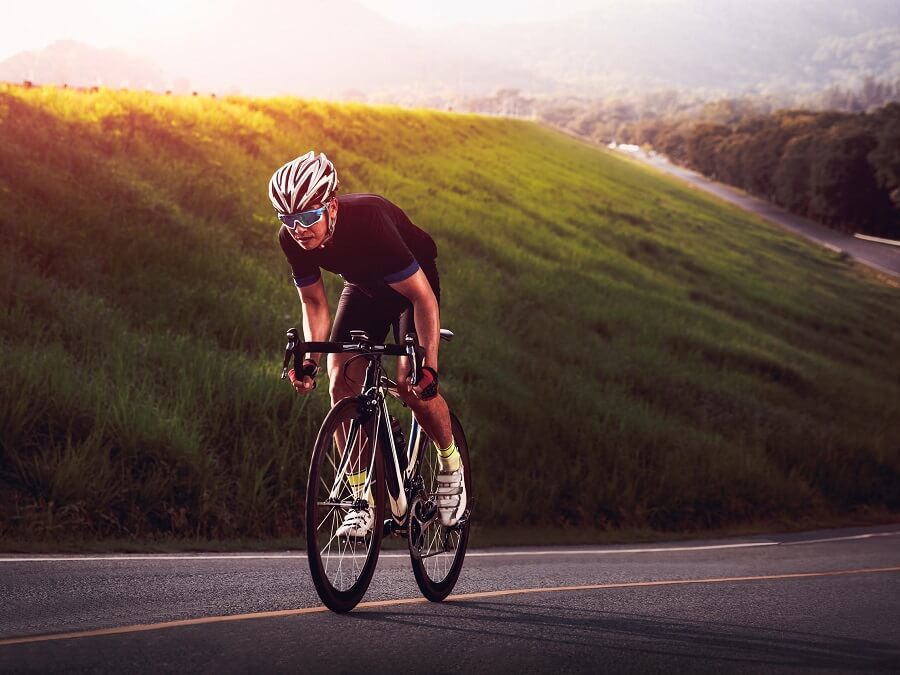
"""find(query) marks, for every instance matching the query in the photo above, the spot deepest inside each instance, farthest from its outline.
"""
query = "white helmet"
(309, 179)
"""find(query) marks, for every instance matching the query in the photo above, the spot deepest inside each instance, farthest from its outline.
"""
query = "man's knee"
(344, 381)
(337, 391)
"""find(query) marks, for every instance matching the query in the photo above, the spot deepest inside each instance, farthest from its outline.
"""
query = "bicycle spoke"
(328, 544)
(327, 516)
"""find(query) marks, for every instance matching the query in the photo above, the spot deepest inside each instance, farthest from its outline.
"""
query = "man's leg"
(343, 383)
(433, 414)
(354, 312)
(344, 387)
(360, 453)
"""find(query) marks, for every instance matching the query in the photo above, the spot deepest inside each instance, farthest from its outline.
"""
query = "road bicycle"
(400, 485)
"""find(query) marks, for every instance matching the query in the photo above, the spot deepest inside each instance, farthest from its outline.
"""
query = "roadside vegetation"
(631, 354)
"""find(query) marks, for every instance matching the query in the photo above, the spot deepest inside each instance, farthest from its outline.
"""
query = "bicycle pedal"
(462, 522)
(354, 542)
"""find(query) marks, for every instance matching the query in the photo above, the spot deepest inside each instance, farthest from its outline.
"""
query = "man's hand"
(306, 381)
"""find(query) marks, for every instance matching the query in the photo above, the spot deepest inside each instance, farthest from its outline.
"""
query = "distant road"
(884, 258)
(826, 600)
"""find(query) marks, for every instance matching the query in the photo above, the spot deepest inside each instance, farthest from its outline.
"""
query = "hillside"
(631, 354)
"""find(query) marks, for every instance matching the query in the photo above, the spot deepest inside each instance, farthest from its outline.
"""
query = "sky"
(425, 12)
(32, 25)
(439, 46)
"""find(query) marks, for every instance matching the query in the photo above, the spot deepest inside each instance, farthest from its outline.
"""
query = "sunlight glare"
(100, 23)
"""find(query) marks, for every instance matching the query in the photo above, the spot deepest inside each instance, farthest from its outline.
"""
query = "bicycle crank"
(422, 515)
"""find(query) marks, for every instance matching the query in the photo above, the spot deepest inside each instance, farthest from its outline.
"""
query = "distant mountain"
(727, 45)
(872, 51)
(78, 65)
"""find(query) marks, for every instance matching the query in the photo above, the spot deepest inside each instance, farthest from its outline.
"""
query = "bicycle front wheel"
(341, 565)
(438, 552)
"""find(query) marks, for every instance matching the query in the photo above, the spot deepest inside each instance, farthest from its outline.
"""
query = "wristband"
(430, 384)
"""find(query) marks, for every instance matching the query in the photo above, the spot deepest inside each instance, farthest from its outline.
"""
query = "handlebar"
(360, 344)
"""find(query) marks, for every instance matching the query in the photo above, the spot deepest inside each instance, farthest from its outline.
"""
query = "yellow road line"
(667, 582)
(139, 628)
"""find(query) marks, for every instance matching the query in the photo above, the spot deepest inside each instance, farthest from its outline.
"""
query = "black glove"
(310, 369)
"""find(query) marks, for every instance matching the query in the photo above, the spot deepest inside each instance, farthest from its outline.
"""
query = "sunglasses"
(303, 218)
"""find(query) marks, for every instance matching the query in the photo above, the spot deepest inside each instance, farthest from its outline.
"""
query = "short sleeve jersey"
(374, 244)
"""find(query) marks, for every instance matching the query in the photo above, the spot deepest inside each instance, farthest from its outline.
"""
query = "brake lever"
(289, 351)
(414, 351)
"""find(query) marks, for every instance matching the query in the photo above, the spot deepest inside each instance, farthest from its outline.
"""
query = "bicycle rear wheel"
(438, 552)
(342, 566)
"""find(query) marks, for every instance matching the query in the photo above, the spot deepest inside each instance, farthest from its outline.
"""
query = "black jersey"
(374, 244)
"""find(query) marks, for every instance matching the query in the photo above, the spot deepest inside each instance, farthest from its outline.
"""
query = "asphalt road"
(826, 600)
(882, 257)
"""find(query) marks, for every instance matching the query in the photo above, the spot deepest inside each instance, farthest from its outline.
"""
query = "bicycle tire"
(436, 576)
(340, 589)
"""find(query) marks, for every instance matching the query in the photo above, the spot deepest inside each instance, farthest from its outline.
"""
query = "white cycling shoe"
(357, 524)
(450, 496)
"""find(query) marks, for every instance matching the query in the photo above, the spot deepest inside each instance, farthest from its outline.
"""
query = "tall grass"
(631, 353)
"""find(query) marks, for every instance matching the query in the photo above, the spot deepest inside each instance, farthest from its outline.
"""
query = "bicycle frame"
(400, 467)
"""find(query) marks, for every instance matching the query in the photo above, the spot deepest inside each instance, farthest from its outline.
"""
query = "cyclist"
(390, 281)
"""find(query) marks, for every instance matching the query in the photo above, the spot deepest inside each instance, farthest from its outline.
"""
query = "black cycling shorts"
(375, 313)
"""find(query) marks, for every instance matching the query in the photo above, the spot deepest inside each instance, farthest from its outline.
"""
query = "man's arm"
(316, 318)
(427, 314)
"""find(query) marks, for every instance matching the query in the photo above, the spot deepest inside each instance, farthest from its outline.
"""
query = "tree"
(791, 178)
(843, 188)
(885, 158)
(731, 158)
(701, 146)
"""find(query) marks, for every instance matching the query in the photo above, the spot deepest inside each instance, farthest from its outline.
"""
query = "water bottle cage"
(397, 432)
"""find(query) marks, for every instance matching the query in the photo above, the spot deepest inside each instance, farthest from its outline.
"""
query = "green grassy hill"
(631, 353)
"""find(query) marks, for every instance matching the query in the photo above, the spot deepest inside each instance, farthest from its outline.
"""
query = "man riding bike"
(390, 281)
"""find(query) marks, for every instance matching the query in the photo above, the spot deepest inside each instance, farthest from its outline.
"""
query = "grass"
(633, 356)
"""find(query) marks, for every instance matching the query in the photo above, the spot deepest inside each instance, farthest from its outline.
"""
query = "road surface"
(826, 600)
